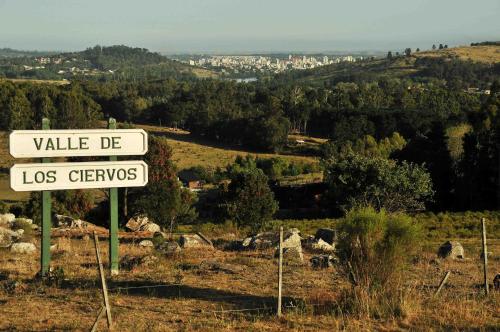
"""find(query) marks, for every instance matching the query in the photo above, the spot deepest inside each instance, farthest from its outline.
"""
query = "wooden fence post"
(442, 283)
(485, 258)
(280, 271)
(103, 281)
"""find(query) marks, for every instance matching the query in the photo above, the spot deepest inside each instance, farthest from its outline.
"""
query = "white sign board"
(59, 176)
(77, 143)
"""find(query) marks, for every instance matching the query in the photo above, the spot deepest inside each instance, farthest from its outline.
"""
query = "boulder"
(7, 219)
(322, 261)
(146, 244)
(23, 248)
(24, 220)
(63, 221)
(326, 234)
(7, 237)
(136, 223)
(151, 227)
(20, 232)
(451, 249)
(67, 222)
(321, 245)
(169, 248)
(292, 246)
(263, 240)
(292, 239)
(496, 282)
(293, 254)
(193, 241)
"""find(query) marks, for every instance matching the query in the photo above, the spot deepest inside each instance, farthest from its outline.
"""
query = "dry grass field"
(488, 54)
(189, 151)
(218, 290)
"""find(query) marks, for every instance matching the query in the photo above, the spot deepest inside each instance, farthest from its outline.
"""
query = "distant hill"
(104, 62)
(480, 53)
(470, 64)
(11, 53)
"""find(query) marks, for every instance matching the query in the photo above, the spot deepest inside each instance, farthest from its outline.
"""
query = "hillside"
(483, 53)
(114, 62)
(440, 64)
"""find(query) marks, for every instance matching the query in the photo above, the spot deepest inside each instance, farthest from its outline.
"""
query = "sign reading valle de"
(77, 143)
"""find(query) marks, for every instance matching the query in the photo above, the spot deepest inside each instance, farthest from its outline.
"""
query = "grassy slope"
(400, 67)
(487, 54)
(189, 151)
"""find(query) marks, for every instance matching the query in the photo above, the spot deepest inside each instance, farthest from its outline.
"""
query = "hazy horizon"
(236, 26)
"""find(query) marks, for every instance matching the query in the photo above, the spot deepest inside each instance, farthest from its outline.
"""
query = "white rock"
(146, 243)
(23, 248)
(151, 227)
(136, 223)
(323, 246)
(20, 232)
(7, 218)
(193, 241)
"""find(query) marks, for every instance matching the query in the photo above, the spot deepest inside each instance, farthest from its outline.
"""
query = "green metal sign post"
(47, 176)
(46, 218)
(113, 218)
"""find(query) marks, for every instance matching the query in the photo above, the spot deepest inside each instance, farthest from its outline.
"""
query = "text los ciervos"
(86, 175)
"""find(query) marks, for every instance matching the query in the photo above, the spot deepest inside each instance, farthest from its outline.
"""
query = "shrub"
(74, 203)
(3, 207)
(374, 247)
(249, 201)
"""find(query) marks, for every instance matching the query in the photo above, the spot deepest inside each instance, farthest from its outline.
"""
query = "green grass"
(449, 225)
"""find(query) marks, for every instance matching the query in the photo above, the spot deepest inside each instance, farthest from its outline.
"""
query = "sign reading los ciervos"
(74, 143)
(83, 175)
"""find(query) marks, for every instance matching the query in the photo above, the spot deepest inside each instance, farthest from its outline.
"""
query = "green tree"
(249, 201)
(355, 180)
(164, 200)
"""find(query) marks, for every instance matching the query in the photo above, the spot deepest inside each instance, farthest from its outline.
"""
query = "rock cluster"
(451, 250)
(292, 243)
(322, 261)
(142, 223)
(10, 237)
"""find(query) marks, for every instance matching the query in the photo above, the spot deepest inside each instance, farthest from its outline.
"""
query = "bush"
(74, 203)
(375, 246)
(249, 201)
(374, 249)
(3, 207)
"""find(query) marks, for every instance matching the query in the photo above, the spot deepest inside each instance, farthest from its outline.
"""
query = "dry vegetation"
(488, 54)
(190, 151)
(199, 286)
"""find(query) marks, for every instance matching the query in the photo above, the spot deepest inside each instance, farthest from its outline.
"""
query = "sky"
(246, 26)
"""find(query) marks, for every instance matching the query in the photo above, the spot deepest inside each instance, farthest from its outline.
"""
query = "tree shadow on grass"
(237, 301)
